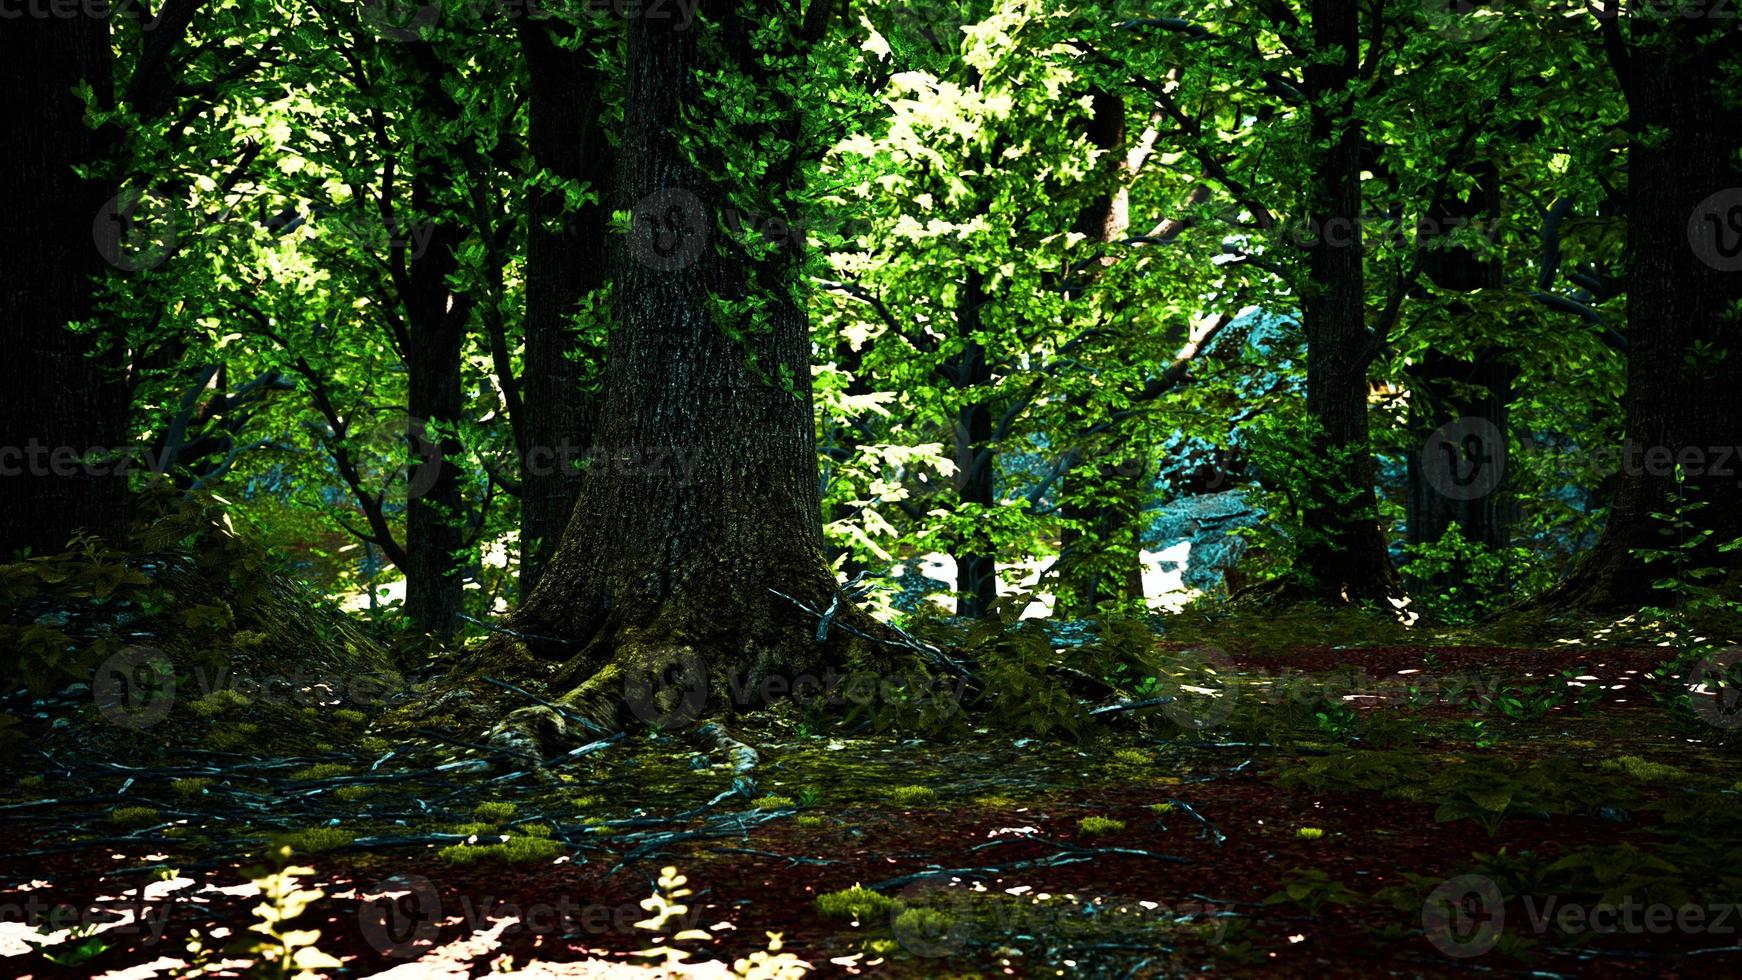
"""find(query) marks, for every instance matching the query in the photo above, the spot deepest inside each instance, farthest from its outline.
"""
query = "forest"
(909, 488)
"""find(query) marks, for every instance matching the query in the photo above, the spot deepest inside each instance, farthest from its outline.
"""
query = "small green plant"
(809, 796)
(772, 802)
(858, 903)
(134, 816)
(810, 820)
(664, 905)
(323, 770)
(315, 840)
(1311, 888)
(913, 795)
(494, 812)
(1160, 809)
(1309, 833)
(512, 851)
(1094, 826)
(280, 951)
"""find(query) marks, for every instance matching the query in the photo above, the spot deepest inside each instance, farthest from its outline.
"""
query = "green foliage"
(858, 903)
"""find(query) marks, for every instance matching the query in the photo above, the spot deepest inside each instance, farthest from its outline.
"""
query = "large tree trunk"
(1343, 557)
(1684, 281)
(63, 395)
(565, 262)
(659, 604)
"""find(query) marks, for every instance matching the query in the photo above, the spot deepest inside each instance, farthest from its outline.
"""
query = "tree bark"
(1684, 281)
(659, 604)
(63, 394)
(1471, 393)
(1343, 557)
(565, 261)
(976, 560)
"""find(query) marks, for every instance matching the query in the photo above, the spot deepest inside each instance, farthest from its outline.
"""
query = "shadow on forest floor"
(1401, 809)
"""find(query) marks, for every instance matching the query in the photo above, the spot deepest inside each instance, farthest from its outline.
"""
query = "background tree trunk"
(565, 261)
(1684, 281)
(62, 394)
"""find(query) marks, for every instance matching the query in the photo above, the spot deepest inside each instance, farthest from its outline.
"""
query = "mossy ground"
(1300, 818)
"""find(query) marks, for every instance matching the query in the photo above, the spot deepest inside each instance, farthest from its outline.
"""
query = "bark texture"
(1684, 284)
(62, 394)
(1344, 557)
(565, 261)
(657, 606)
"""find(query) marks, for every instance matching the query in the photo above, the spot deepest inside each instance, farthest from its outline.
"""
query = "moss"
(190, 786)
(772, 803)
(858, 902)
(219, 702)
(922, 922)
(1309, 833)
(473, 829)
(314, 840)
(512, 850)
(1091, 826)
(134, 816)
(913, 795)
(1133, 757)
(1160, 809)
(323, 770)
(31, 782)
(997, 802)
(351, 716)
(534, 829)
(1646, 771)
(585, 802)
(241, 735)
(494, 812)
(810, 820)
(351, 794)
(882, 947)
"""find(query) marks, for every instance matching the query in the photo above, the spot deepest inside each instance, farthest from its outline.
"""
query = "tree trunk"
(976, 560)
(1684, 281)
(659, 604)
(434, 496)
(565, 262)
(1343, 557)
(1461, 397)
(63, 394)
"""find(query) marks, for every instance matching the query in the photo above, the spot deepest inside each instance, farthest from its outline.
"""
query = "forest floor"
(1394, 810)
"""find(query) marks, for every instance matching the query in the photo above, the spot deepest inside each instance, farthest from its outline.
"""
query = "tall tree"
(663, 569)
(62, 393)
(1344, 556)
(1684, 286)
